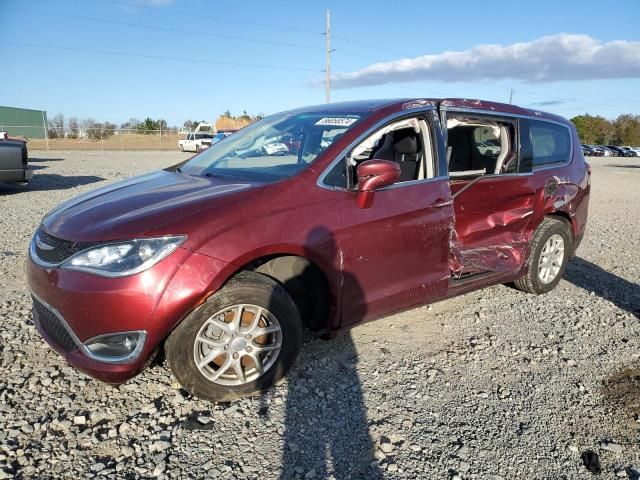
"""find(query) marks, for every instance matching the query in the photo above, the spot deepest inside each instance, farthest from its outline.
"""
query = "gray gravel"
(496, 384)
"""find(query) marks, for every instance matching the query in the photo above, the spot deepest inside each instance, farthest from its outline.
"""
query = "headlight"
(125, 258)
(116, 347)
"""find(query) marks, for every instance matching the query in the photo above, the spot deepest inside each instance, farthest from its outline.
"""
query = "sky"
(112, 60)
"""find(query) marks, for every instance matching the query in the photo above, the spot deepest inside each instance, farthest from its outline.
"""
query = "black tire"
(181, 148)
(306, 286)
(531, 282)
(245, 288)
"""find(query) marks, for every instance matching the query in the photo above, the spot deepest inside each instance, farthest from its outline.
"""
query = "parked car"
(14, 160)
(223, 259)
(588, 150)
(617, 151)
(631, 152)
(607, 151)
(194, 142)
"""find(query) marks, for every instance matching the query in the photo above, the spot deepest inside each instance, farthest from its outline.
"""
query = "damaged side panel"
(491, 224)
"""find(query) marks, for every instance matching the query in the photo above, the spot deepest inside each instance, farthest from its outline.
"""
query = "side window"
(337, 176)
(486, 141)
(550, 143)
(480, 144)
(407, 142)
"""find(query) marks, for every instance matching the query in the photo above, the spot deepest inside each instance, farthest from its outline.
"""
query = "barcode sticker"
(337, 121)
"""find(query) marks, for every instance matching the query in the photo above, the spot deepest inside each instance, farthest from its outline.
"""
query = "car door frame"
(421, 292)
(523, 216)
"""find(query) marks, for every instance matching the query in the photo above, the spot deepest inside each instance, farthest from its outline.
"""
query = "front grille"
(53, 327)
(56, 250)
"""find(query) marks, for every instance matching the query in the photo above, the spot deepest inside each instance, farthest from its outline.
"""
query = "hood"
(129, 208)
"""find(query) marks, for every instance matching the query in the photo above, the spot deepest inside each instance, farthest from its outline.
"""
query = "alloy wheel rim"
(237, 344)
(551, 258)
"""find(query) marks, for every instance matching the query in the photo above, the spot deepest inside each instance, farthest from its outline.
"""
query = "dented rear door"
(492, 220)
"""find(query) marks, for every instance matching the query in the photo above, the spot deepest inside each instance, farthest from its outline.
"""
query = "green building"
(23, 122)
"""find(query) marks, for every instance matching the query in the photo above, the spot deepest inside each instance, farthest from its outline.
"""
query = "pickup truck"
(14, 160)
(194, 142)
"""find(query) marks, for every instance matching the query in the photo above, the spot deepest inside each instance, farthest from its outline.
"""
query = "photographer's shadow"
(589, 276)
(326, 432)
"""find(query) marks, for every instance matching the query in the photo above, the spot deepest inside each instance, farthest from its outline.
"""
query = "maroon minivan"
(318, 218)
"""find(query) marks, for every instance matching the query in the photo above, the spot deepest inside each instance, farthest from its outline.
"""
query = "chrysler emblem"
(43, 246)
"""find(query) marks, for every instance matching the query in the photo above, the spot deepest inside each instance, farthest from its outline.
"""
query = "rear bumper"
(71, 307)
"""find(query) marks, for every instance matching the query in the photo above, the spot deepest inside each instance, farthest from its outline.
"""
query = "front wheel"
(550, 251)
(241, 341)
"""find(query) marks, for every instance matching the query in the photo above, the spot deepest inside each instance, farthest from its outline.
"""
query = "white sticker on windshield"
(337, 121)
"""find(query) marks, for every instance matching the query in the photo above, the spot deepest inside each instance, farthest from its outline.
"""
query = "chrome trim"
(37, 260)
(34, 256)
(404, 113)
(142, 335)
(142, 338)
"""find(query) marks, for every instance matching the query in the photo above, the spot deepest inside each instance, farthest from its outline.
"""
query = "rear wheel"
(550, 251)
(241, 341)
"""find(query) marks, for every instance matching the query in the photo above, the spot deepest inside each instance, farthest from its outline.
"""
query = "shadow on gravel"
(623, 166)
(326, 428)
(49, 181)
(589, 276)
(38, 160)
(623, 390)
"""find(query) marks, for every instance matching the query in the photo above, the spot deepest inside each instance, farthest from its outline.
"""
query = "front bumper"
(71, 307)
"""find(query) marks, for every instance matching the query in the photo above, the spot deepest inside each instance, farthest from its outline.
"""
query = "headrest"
(405, 142)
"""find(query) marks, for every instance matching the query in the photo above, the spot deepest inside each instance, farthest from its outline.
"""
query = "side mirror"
(372, 175)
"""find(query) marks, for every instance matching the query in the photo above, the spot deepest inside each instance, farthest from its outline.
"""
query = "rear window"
(550, 143)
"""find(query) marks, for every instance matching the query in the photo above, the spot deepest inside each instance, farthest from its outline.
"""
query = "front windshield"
(273, 148)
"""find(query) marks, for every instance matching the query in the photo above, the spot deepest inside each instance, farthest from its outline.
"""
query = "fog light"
(115, 347)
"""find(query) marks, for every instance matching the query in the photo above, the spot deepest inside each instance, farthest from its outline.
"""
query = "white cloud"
(546, 59)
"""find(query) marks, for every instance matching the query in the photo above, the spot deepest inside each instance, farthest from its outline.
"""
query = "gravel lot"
(495, 384)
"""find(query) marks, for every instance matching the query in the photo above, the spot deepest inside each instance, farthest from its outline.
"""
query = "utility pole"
(511, 96)
(46, 131)
(328, 54)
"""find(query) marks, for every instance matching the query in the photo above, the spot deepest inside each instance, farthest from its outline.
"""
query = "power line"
(161, 57)
(368, 45)
(165, 29)
(220, 19)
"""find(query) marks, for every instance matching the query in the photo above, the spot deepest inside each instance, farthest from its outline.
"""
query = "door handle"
(442, 203)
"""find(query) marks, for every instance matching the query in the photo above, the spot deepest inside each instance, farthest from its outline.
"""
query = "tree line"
(59, 127)
(90, 128)
(624, 130)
